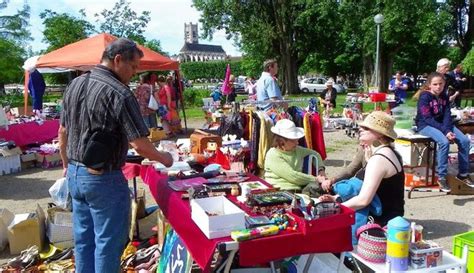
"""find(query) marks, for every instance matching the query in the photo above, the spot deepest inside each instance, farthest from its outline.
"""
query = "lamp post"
(378, 19)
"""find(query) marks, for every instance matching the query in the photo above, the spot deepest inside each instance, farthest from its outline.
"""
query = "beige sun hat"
(330, 82)
(443, 61)
(381, 123)
(287, 129)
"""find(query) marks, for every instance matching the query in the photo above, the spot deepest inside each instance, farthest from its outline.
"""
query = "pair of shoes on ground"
(27, 258)
(444, 186)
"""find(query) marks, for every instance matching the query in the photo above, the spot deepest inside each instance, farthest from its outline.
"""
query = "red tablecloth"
(31, 132)
(286, 244)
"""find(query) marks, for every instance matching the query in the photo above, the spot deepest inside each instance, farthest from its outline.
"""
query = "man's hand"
(327, 184)
(451, 136)
(327, 198)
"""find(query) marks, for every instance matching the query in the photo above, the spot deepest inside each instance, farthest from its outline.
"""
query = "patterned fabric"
(434, 111)
(143, 97)
(110, 105)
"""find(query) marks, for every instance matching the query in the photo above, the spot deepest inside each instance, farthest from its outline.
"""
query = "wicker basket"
(372, 244)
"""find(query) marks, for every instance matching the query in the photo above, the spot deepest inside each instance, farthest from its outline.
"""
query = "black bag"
(99, 150)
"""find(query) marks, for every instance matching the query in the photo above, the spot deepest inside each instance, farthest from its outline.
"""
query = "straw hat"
(287, 129)
(381, 123)
(330, 82)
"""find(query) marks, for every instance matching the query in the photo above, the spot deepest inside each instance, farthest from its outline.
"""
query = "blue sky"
(166, 24)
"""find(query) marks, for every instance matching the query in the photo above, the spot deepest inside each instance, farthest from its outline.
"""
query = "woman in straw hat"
(284, 162)
(384, 174)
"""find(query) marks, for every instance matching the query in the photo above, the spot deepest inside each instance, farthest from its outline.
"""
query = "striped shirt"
(110, 106)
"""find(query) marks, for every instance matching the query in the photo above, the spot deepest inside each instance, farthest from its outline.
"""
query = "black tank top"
(391, 193)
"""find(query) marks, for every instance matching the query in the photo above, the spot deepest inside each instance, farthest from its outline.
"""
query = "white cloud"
(166, 24)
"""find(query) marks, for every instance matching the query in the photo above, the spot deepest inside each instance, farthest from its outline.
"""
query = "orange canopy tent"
(85, 54)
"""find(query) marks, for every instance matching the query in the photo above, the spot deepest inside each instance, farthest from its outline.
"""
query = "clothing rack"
(254, 102)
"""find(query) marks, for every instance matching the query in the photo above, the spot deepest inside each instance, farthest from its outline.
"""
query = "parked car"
(239, 88)
(317, 85)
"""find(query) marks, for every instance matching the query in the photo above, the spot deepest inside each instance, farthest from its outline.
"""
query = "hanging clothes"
(266, 138)
(307, 131)
(317, 137)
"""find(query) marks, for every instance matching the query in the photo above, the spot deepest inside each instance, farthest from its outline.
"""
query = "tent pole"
(25, 92)
(181, 99)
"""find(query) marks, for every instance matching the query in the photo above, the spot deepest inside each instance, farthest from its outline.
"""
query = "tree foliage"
(122, 21)
(10, 63)
(462, 24)
(14, 27)
(210, 70)
(155, 45)
(468, 63)
(61, 29)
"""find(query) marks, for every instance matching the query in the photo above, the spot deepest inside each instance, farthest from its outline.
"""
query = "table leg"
(308, 263)
(230, 259)
(137, 226)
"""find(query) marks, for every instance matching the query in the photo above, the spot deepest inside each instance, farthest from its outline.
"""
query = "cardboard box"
(458, 187)
(413, 154)
(49, 160)
(216, 216)
(25, 230)
(425, 254)
(28, 157)
(10, 164)
(156, 134)
(10, 152)
(6, 217)
(59, 225)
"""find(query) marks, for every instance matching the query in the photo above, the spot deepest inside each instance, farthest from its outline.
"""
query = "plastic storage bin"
(378, 97)
(459, 242)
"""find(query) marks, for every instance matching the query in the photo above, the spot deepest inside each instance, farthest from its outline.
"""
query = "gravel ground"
(441, 215)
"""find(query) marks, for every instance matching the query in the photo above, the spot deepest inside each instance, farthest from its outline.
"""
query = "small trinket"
(234, 190)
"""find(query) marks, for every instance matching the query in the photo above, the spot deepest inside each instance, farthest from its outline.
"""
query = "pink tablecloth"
(287, 244)
(31, 132)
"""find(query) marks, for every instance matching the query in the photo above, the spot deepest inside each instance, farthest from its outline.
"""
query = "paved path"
(441, 215)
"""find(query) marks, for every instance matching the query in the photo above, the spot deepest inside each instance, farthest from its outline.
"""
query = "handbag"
(152, 103)
(372, 244)
(325, 209)
(101, 144)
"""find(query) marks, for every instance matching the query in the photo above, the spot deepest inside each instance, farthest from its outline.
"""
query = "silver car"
(317, 85)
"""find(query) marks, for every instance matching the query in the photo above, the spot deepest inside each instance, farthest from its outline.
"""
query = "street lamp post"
(378, 19)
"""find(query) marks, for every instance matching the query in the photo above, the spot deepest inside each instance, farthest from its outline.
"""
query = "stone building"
(193, 51)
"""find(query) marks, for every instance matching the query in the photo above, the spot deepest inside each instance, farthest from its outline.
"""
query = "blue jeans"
(101, 206)
(443, 150)
(150, 120)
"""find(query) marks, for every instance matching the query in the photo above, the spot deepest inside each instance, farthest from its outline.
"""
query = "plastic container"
(398, 243)
(378, 97)
(459, 242)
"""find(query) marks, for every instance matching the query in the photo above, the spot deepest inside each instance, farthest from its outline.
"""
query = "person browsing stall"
(328, 96)
(100, 103)
(267, 85)
(384, 174)
(399, 87)
(434, 120)
(284, 162)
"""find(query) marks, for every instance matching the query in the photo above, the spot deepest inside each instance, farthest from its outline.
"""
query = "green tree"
(462, 23)
(13, 33)
(15, 26)
(122, 21)
(61, 29)
(155, 45)
(263, 29)
(10, 63)
(468, 63)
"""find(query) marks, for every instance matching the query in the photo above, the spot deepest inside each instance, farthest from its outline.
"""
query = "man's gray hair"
(268, 63)
(125, 47)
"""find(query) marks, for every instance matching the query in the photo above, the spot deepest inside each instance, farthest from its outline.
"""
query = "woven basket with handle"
(372, 244)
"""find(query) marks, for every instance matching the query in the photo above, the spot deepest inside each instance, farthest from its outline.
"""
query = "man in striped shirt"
(102, 101)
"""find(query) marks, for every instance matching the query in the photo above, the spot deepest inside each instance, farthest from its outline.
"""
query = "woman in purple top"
(433, 119)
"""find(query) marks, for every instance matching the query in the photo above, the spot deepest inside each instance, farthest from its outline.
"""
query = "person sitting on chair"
(328, 97)
(433, 119)
(284, 162)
